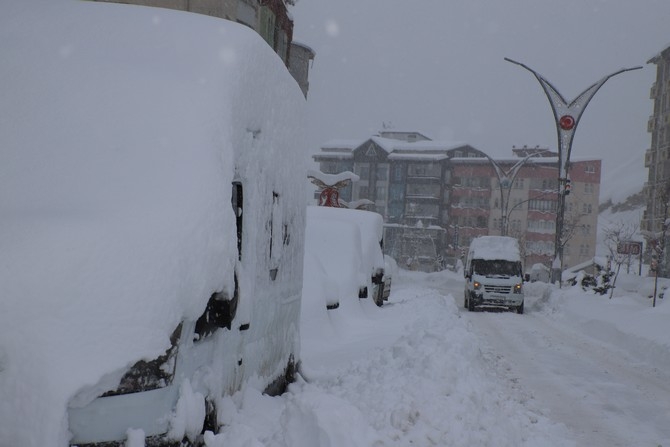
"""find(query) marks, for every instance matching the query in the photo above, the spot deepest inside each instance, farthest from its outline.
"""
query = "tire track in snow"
(596, 390)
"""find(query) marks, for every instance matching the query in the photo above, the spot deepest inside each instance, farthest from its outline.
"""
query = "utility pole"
(566, 116)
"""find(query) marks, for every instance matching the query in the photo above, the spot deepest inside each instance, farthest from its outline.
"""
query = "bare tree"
(614, 237)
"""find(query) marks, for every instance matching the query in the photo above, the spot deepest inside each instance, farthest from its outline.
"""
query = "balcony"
(651, 124)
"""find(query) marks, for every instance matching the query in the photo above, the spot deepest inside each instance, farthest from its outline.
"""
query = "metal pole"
(566, 117)
(506, 181)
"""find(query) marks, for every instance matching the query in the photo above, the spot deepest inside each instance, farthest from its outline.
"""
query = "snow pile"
(495, 247)
(628, 318)
(415, 373)
(410, 373)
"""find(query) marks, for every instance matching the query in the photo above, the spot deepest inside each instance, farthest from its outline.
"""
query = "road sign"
(629, 248)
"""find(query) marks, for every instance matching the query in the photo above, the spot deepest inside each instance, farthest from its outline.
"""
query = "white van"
(152, 212)
(493, 274)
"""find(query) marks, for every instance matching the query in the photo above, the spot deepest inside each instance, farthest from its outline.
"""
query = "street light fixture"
(505, 181)
(566, 117)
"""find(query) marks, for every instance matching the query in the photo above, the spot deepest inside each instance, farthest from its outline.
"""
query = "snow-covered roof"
(495, 247)
(397, 149)
(417, 156)
(332, 179)
(429, 145)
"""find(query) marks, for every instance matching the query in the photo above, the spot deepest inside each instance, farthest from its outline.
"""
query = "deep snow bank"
(410, 373)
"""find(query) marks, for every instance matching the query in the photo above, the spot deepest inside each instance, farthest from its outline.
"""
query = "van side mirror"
(526, 277)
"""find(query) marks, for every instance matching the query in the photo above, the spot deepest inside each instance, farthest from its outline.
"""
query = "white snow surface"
(419, 372)
(495, 247)
(118, 125)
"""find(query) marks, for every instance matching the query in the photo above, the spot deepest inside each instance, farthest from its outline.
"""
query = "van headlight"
(517, 288)
(150, 375)
(477, 285)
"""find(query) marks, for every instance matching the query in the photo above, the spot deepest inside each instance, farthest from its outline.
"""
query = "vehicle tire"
(379, 295)
(519, 308)
(471, 305)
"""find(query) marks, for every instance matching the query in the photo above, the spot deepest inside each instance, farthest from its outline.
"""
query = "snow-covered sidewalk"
(410, 373)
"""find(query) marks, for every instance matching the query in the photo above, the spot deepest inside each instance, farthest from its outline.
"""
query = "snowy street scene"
(334, 223)
(577, 369)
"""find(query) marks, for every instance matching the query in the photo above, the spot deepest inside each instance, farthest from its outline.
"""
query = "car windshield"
(496, 267)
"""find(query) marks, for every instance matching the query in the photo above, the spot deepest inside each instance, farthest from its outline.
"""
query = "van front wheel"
(519, 308)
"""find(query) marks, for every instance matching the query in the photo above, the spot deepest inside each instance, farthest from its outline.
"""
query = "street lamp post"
(505, 181)
(566, 117)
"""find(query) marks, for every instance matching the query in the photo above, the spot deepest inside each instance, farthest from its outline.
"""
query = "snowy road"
(575, 370)
(598, 390)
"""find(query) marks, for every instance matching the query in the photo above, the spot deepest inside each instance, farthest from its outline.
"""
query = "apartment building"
(478, 206)
(436, 196)
(657, 159)
(406, 175)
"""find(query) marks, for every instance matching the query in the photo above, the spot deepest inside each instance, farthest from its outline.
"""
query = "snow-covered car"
(348, 243)
(134, 296)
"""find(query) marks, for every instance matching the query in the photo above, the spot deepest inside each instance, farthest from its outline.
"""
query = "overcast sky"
(437, 66)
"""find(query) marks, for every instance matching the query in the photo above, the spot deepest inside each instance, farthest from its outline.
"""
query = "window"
(481, 222)
(382, 171)
(542, 205)
(422, 210)
(396, 192)
(398, 172)
(237, 204)
(363, 171)
(425, 190)
(424, 170)
(381, 193)
(518, 183)
(363, 192)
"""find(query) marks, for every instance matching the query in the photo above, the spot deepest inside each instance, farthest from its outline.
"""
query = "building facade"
(405, 175)
(657, 159)
(435, 197)
(477, 207)
(269, 18)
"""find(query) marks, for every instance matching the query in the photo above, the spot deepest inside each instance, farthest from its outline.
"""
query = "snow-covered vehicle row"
(134, 296)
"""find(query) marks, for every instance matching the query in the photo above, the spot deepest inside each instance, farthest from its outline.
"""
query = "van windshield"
(497, 267)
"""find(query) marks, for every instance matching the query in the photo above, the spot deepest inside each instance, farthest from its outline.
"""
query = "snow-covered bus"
(152, 215)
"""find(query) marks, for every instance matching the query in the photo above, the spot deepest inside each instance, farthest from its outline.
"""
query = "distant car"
(348, 243)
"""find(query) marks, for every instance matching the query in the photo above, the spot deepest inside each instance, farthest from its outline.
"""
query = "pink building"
(477, 207)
